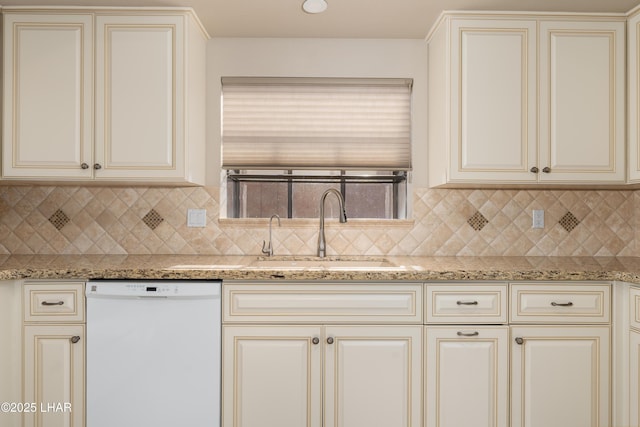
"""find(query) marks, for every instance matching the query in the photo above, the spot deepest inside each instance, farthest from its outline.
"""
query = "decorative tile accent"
(569, 221)
(59, 219)
(152, 219)
(477, 221)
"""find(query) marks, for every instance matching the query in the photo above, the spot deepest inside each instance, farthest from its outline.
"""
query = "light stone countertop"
(407, 269)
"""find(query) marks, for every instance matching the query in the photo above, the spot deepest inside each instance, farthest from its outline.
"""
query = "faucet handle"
(267, 249)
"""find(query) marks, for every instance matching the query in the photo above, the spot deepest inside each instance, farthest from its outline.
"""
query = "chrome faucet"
(268, 249)
(322, 246)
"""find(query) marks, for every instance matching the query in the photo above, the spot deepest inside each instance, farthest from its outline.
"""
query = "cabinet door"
(48, 87)
(140, 97)
(54, 375)
(560, 376)
(271, 376)
(633, 79)
(373, 376)
(493, 114)
(467, 376)
(582, 101)
(634, 378)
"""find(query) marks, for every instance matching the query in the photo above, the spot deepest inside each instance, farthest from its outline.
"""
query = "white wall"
(286, 57)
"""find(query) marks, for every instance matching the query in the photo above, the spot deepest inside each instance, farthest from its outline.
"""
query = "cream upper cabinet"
(482, 111)
(143, 122)
(582, 101)
(149, 74)
(517, 99)
(467, 376)
(48, 87)
(633, 82)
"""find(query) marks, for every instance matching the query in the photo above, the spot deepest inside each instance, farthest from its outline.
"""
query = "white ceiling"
(343, 18)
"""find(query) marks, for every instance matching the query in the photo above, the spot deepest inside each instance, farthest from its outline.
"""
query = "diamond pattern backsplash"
(446, 222)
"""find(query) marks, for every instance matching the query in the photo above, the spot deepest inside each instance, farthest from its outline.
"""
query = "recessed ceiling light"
(314, 6)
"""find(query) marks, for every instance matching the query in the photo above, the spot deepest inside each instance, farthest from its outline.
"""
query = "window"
(285, 141)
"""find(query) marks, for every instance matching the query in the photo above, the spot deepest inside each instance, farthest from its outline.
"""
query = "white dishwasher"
(153, 353)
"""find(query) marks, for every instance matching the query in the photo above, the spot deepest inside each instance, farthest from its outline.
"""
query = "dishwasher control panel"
(157, 288)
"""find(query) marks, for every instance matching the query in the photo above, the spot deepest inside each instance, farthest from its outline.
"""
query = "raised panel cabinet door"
(634, 378)
(140, 64)
(271, 376)
(582, 101)
(48, 104)
(467, 376)
(560, 376)
(493, 114)
(373, 376)
(633, 82)
(53, 376)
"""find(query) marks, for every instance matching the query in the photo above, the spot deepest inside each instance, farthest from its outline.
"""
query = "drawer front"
(322, 303)
(460, 303)
(634, 309)
(561, 303)
(53, 302)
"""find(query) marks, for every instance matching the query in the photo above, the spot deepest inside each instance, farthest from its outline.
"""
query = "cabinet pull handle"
(562, 304)
(467, 302)
(519, 340)
(468, 334)
(84, 166)
(330, 340)
(534, 169)
(75, 339)
(546, 169)
(315, 340)
(97, 166)
(52, 303)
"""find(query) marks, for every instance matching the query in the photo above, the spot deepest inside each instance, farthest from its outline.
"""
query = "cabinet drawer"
(466, 303)
(322, 303)
(54, 302)
(561, 303)
(634, 307)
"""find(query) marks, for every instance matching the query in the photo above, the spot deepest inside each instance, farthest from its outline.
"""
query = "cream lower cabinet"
(322, 355)
(560, 355)
(371, 376)
(466, 360)
(634, 378)
(53, 354)
(467, 376)
(560, 376)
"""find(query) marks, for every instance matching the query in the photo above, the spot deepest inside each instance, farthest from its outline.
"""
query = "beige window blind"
(304, 123)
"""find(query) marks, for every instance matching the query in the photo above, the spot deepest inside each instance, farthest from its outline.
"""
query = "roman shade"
(309, 123)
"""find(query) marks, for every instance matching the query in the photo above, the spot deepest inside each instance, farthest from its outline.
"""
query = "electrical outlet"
(196, 217)
(538, 218)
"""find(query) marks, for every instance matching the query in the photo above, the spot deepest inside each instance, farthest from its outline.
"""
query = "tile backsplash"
(446, 222)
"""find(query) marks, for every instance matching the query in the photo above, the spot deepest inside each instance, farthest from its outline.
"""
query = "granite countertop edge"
(239, 268)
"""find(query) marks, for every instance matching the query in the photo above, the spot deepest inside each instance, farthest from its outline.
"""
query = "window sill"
(354, 223)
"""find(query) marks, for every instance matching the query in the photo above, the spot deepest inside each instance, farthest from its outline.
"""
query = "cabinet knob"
(468, 334)
(84, 166)
(75, 339)
(330, 340)
(547, 169)
(315, 340)
(519, 340)
(467, 302)
(534, 169)
(97, 166)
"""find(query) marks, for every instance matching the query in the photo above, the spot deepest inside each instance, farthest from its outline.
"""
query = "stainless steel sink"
(327, 263)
